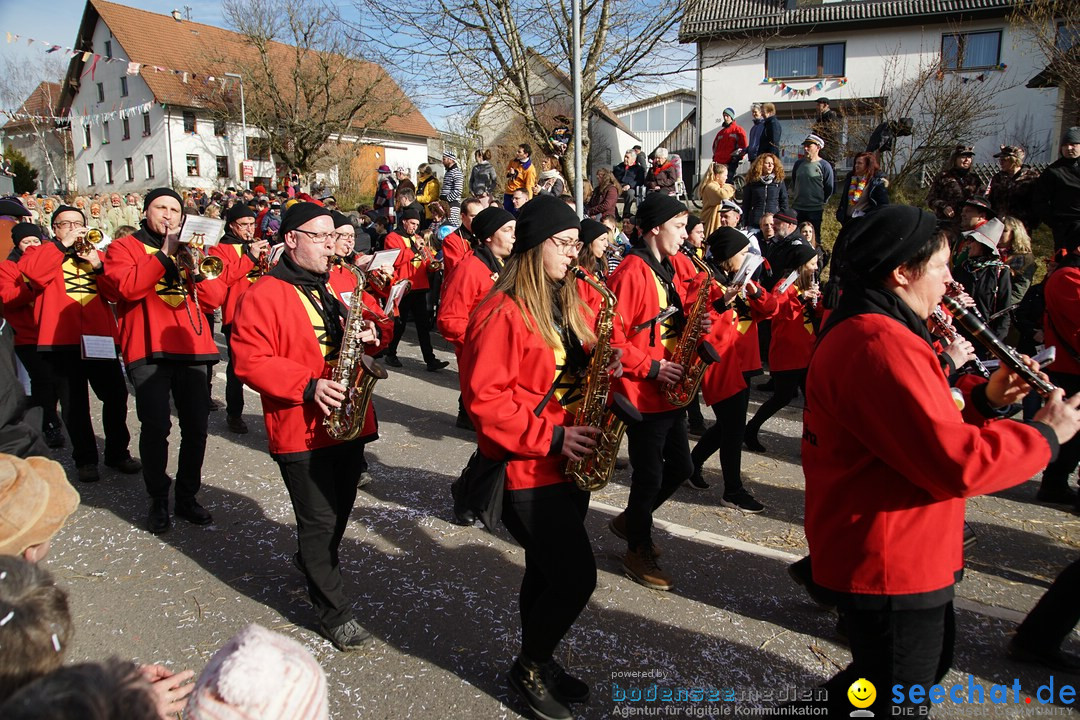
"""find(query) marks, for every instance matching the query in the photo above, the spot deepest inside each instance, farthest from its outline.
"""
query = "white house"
(137, 96)
(668, 120)
(45, 143)
(853, 51)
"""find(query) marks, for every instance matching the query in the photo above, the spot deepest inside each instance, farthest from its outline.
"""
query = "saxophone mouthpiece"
(578, 272)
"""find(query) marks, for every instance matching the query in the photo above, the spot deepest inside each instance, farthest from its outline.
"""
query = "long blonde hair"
(710, 175)
(523, 280)
(1019, 240)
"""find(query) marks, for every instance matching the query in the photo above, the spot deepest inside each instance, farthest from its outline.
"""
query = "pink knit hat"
(260, 675)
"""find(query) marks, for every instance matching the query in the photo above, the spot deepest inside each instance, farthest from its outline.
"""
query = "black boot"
(527, 679)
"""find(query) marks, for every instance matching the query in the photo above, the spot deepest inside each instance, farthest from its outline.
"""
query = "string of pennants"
(85, 118)
(133, 68)
(786, 89)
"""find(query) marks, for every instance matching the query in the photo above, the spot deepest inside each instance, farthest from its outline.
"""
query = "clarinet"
(1008, 357)
(948, 334)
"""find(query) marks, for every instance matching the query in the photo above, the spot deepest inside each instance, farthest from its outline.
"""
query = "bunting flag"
(84, 117)
(133, 68)
(817, 87)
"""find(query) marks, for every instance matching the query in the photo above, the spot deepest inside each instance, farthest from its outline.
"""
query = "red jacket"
(157, 319)
(728, 143)
(17, 297)
(763, 308)
(281, 360)
(1061, 324)
(639, 293)
(409, 265)
(70, 303)
(889, 460)
(725, 378)
(793, 335)
(238, 273)
(467, 286)
(454, 249)
(506, 371)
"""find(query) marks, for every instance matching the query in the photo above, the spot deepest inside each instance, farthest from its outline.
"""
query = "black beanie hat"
(23, 230)
(591, 229)
(158, 192)
(541, 218)
(875, 244)
(299, 214)
(725, 242)
(64, 209)
(340, 219)
(409, 213)
(793, 255)
(692, 222)
(656, 209)
(238, 211)
(488, 220)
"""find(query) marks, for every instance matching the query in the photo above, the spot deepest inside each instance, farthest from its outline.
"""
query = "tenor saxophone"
(594, 471)
(355, 370)
(693, 354)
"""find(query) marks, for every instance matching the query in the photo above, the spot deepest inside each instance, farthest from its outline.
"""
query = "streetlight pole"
(575, 71)
(243, 118)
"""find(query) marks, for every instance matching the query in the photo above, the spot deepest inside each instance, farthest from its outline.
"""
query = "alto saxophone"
(355, 370)
(594, 471)
(693, 354)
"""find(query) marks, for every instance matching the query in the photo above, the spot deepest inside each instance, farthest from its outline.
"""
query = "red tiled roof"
(209, 51)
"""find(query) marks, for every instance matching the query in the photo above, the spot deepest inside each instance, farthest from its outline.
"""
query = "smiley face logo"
(862, 693)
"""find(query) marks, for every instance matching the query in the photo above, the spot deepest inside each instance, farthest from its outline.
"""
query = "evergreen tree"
(25, 179)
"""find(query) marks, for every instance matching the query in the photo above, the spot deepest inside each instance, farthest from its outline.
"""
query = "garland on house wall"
(85, 117)
(786, 89)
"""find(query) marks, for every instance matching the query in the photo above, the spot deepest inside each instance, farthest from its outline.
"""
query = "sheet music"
(276, 251)
(788, 281)
(98, 347)
(396, 293)
(379, 260)
(208, 230)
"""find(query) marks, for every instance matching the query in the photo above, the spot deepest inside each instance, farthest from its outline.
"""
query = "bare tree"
(25, 88)
(304, 81)
(1053, 27)
(511, 53)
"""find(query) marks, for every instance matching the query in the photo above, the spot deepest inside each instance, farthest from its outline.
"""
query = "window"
(149, 167)
(101, 92)
(639, 121)
(222, 166)
(108, 48)
(259, 149)
(129, 169)
(146, 124)
(86, 137)
(971, 51)
(123, 87)
(108, 172)
(656, 118)
(125, 125)
(105, 133)
(1067, 37)
(193, 165)
(90, 172)
(189, 122)
(219, 127)
(808, 61)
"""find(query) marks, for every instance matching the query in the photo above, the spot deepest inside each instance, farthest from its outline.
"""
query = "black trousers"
(660, 456)
(186, 384)
(1056, 474)
(1055, 615)
(234, 389)
(42, 390)
(726, 435)
(786, 386)
(890, 647)
(560, 570)
(693, 411)
(72, 376)
(414, 306)
(322, 487)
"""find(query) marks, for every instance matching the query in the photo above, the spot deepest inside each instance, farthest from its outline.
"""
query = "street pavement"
(441, 599)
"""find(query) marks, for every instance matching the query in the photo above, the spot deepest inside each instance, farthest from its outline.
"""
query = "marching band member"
(645, 283)
(725, 387)
(537, 327)
(889, 459)
(287, 337)
(70, 309)
(168, 351)
(240, 255)
(414, 266)
(493, 230)
(457, 244)
(794, 332)
(593, 257)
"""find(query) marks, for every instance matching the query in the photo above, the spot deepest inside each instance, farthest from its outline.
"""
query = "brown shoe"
(640, 566)
(618, 527)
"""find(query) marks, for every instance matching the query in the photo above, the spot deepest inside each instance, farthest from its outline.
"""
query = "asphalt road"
(441, 599)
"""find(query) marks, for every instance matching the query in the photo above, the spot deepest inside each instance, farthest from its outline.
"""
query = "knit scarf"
(314, 286)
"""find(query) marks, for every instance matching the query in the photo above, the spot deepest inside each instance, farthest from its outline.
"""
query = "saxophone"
(355, 370)
(694, 359)
(594, 471)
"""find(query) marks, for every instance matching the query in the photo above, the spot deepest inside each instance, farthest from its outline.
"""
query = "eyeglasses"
(65, 224)
(344, 236)
(565, 244)
(318, 237)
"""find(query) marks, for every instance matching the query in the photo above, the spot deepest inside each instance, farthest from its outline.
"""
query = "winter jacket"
(770, 137)
(875, 195)
(729, 143)
(753, 140)
(632, 175)
(1057, 199)
(760, 198)
(662, 178)
(482, 179)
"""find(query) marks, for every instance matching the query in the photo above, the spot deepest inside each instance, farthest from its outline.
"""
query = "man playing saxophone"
(287, 336)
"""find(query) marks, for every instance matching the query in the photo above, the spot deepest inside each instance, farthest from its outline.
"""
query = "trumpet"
(192, 257)
(86, 243)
